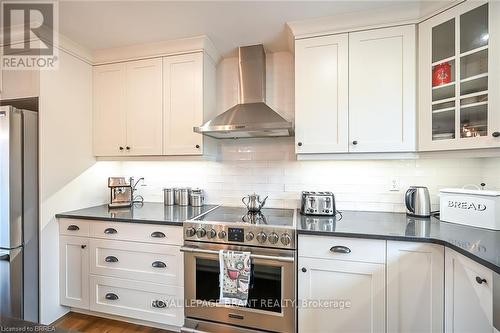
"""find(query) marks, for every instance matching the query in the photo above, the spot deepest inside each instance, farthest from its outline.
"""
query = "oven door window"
(264, 292)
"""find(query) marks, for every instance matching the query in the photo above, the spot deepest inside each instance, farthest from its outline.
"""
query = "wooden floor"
(77, 322)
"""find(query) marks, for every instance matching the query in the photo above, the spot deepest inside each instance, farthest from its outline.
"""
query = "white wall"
(70, 178)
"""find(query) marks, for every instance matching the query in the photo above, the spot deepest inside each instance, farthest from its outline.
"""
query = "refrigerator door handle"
(4, 256)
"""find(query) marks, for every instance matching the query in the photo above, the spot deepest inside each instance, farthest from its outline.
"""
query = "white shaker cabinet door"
(382, 90)
(415, 287)
(110, 110)
(144, 107)
(182, 104)
(321, 94)
(357, 287)
(74, 270)
(468, 295)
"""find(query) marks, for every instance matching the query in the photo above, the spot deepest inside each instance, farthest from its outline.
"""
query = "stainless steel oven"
(271, 292)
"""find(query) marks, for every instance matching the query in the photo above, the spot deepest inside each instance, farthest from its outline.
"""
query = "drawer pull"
(111, 296)
(340, 249)
(111, 259)
(110, 231)
(235, 316)
(73, 227)
(158, 304)
(159, 264)
(158, 234)
(480, 280)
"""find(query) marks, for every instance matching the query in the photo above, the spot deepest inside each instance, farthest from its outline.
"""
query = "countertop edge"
(118, 219)
(460, 250)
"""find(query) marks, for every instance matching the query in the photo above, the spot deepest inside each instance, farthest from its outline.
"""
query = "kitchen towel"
(234, 277)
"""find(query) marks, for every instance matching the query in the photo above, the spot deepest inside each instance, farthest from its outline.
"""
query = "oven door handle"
(253, 256)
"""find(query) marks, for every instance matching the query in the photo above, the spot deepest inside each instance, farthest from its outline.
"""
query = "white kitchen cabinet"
(74, 270)
(340, 292)
(16, 84)
(415, 287)
(459, 78)
(128, 108)
(110, 106)
(382, 90)
(188, 100)
(321, 94)
(468, 295)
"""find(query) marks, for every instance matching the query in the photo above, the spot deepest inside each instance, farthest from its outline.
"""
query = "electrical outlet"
(395, 185)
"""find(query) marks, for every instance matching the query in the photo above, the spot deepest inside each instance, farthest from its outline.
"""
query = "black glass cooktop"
(268, 216)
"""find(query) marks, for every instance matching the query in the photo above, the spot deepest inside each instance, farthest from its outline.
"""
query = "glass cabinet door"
(459, 76)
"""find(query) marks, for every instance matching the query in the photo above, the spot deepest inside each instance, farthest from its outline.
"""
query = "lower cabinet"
(139, 280)
(415, 287)
(468, 295)
(337, 295)
(74, 270)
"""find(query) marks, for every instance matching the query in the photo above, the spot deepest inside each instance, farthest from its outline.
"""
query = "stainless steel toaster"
(317, 203)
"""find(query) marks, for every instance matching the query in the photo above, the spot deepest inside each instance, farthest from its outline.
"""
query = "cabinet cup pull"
(158, 234)
(159, 264)
(480, 280)
(110, 231)
(111, 259)
(340, 249)
(111, 296)
(496, 134)
(158, 304)
(73, 227)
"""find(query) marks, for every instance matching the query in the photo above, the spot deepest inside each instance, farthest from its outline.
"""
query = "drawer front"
(136, 299)
(73, 227)
(342, 248)
(147, 233)
(143, 262)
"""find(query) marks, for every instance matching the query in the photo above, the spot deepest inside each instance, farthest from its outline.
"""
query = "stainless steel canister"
(184, 196)
(177, 195)
(168, 196)
(197, 198)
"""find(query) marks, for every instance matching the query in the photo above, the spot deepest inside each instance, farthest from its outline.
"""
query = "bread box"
(476, 208)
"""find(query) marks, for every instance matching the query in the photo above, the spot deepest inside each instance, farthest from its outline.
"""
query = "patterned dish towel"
(234, 277)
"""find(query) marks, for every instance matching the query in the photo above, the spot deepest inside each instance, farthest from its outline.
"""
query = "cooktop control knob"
(211, 233)
(201, 232)
(222, 234)
(261, 237)
(190, 232)
(250, 236)
(286, 239)
(273, 238)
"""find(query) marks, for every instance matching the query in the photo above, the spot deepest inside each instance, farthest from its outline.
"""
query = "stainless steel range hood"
(252, 117)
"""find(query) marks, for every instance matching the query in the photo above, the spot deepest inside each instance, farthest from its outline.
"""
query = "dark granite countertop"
(8, 324)
(481, 245)
(149, 212)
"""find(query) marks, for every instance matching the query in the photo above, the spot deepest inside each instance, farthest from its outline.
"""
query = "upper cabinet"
(356, 92)
(149, 107)
(128, 108)
(321, 94)
(382, 90)
(457, 51)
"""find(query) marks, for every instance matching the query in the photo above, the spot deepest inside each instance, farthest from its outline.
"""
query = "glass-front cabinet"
(459, 90)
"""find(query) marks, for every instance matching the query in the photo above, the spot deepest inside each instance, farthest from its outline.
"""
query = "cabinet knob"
(304, 269)
(121, 148)
(496, 134)
(128, 148)
(83, 246)
(480, 280)
(299, 144)
(355, 142)
(197, 146)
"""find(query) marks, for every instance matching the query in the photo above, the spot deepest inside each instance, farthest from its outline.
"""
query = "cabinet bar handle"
(110, 231)
(159, 264)
(158, 234)
(340, 249)
(111, 259)
(73, 227)
(111, 296)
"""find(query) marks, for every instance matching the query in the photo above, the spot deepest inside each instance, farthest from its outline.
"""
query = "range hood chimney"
(252, 118)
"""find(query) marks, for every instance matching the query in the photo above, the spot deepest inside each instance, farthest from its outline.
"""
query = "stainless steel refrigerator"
(19, 296)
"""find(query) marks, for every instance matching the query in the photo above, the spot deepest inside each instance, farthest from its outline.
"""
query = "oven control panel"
(263, 236)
